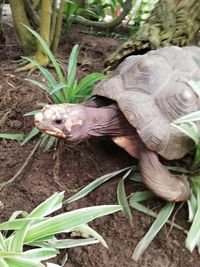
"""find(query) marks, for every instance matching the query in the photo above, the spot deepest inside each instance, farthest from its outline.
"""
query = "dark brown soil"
(71, 167)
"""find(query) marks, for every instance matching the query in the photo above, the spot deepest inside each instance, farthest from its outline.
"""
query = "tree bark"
(33, 17)
(58, 26)
(26, 39)
(172, 22)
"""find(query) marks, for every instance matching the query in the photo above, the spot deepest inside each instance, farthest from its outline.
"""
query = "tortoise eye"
(58, 121)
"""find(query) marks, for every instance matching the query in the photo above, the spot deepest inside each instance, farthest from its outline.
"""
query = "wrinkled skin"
(76, 122)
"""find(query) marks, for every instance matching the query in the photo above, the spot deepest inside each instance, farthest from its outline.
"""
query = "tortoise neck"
(108, 121)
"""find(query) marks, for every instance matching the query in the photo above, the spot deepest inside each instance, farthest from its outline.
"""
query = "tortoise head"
(62, 120)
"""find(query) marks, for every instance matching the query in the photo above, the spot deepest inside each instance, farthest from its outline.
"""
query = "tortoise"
(135, 107)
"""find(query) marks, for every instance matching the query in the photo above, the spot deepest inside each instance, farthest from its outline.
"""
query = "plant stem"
(19, 16)
(58, 26)
(108, 25)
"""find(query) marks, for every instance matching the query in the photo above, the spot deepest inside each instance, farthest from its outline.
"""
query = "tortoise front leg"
(159, 180)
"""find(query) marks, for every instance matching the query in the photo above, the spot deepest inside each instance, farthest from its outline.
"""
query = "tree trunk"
(27, 41)
(172, 22)
(58, 26)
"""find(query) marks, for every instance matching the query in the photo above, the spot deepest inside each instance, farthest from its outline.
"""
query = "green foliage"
(105, 7)
(186, 125)
(16, 137)
(37, 231)
(65, 88)
(72, 10)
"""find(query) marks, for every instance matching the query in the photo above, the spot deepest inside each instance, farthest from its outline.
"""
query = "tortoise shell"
(152, 91)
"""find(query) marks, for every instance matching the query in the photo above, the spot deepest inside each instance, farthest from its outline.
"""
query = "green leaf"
(58, 87)
(88, 230)
(16, 137)
(44, 137)
(3, 263)
(19, 262)
(17, 241)
(46, 74)
(32, 113)
(192, 207)
(87, 189)
(49, 53)
(67, 221)
(193, 236)
(39, 84)
(71, 70)
(88, 81)
(189, 130)
(141, 196)
(194, 116)
(17, 223)
(31, 134)
(121, 196)
(162, 218)
(2, 242)
(41, 254)
(50, 143)
(49, 264)
(71, 243)
(195, 86)
(47, 207)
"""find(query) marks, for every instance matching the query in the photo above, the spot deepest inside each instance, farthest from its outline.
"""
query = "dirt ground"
(70, 167)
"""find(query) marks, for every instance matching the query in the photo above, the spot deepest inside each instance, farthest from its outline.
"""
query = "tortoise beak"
(43, 126)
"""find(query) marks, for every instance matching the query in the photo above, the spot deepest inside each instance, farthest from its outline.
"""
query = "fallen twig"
(2, 185)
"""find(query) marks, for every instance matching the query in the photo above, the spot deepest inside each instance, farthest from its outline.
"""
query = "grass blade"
(19, 262)
(47, 74)
(87, 189)
(16, 137)
(192, 207)
(71, 69)
(50, 143)
(39, 84)
(121, 196)
(71, 243)
(88, 230)
(195, 86)
(32, 113)
(32, 134)
(2, 242)
(67, 221)
(194, 116)
(47, 207)
(41, 254)
(193, 236)
(17, 241)
(17, 223)
(162, 218)
(3, 263)
(49, 53)
(189, 130)
(88, 81)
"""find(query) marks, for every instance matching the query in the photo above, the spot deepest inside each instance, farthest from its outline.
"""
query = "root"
(42, 59)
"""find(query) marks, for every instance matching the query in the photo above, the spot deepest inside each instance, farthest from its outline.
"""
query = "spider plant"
(16, 137)
(30, 239)
(65, 88)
